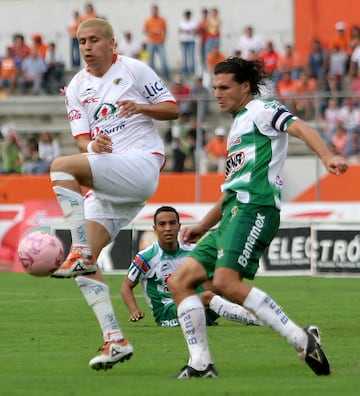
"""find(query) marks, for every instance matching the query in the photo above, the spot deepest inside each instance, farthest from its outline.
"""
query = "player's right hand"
(191, 234)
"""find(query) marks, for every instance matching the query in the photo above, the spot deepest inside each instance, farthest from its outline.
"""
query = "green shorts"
(168, 316)
(238, 243)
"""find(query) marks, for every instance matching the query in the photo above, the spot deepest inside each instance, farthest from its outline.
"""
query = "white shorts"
(122, 184)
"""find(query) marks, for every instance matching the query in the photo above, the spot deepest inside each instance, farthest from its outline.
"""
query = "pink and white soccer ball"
(40, 252)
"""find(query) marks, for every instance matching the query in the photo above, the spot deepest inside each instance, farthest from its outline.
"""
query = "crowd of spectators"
(31, 69)
(32, 156)
(324, 87)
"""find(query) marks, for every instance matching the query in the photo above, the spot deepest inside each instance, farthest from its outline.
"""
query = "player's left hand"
(336, 165)
(127, 108)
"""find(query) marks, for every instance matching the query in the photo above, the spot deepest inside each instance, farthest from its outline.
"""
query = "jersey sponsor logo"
(274, 307)
(278, 181)
(105, 111)
(234, 211)
(89, 100)
(169, 323)
(141, 263)
(234, 162)
(235, 141)
(108, 131)
(251, 240)
(117, 81)
(153, 89)
(166, 270)
(273, 104)
(74, 115)
(88, 92)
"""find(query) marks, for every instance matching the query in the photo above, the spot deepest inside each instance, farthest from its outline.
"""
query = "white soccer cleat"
(112, 352)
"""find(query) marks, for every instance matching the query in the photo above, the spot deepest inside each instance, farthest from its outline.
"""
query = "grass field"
(48, 334)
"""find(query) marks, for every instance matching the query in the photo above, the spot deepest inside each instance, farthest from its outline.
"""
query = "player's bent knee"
(58, 164)
(221, 286)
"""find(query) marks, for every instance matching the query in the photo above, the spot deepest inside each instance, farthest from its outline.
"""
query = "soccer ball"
(40, 252)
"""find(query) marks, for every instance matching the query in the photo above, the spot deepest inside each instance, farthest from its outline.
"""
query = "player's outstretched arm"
(129, 299)
(334, 164)
(192, 233)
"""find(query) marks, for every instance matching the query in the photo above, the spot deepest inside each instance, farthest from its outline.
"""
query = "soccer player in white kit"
(112, 104)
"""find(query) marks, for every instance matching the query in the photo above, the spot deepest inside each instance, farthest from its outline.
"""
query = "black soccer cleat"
(313, 355)
(189, 372)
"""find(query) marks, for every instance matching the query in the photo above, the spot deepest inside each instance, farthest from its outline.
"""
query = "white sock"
(191, 316)
(72, 206)
(272, 315)
(231, 311)
(97, 296)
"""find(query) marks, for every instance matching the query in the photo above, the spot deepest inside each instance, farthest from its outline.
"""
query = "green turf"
(48, 334)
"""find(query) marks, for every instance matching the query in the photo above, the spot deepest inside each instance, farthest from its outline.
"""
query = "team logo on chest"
(105, 111)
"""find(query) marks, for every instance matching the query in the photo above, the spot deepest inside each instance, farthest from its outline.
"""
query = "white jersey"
(257, 147)
(91, 104)
(152, 267)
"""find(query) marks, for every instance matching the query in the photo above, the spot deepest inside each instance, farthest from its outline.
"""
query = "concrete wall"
(273, 19)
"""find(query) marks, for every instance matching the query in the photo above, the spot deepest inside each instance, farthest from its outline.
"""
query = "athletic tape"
(61, 176)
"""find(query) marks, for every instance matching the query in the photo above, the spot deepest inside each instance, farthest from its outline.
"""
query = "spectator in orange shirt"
(339, 38)
(290, 61)
(286, 86)
(39, 45)
(155, 28)
(214, 57)
(89, 12)
(305, 87)
(286, 90)
(215, 152)
(9, 70)
(270, 58)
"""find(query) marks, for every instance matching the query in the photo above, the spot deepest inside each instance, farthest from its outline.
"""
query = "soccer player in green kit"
(154, 265)
(248, 214)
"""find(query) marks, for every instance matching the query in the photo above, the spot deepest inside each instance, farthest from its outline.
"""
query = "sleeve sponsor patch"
(140, 263)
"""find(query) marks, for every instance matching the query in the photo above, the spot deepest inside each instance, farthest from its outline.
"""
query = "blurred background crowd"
(323, 87)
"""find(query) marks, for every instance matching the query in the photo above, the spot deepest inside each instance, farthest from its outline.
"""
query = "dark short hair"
(166, 209)
(244, 70)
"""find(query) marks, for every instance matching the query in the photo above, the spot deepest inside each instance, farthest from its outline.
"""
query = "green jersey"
(257, 148)
(152, 267)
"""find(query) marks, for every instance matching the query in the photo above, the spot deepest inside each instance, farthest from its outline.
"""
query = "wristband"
(89, 148)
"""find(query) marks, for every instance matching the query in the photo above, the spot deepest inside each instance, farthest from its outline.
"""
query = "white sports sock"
(273, 316)
(72, 206)
(234, 312)
(97, 295)
(191, 316)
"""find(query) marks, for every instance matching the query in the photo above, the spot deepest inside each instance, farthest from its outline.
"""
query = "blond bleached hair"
(104, 26)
